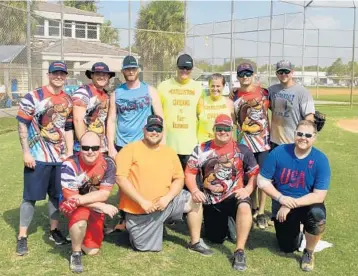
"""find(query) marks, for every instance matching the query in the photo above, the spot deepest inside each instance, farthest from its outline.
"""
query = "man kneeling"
(87, 180)
(222, 163)
(151, 181)
(300, 176)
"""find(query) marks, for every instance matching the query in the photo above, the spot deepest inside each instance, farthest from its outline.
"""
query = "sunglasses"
(281, 72)
(223, 128)
(157, 129)
(185, 68)
(302, 134)
(87, 148)
(244, 74)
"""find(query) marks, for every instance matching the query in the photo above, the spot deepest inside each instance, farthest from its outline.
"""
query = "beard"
(152, 142)
(131, 78)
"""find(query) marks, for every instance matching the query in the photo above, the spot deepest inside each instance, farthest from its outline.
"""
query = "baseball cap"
(245, 67)
(99, 67)
(154, 120)
(223, 119)
(284, 65)
(129, 62)
(57, 66)
(185, 61)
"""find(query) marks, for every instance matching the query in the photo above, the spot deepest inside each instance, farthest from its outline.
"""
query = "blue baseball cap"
(57, 66)
(100, 67)
(245, 67)
(129, 62)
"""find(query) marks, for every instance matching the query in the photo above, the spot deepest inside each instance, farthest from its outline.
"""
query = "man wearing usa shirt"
(297, 177)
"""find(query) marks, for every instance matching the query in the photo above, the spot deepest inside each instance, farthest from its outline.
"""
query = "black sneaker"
(239, 261)
(76, 262)
(57, 237)
(261, 221)
(201, 248)
(21, 246)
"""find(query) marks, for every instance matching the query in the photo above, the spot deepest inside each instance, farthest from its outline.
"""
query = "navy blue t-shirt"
(296, 177)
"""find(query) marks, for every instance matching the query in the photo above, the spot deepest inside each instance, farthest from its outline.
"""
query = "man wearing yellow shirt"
(179, 97)
(151, 181)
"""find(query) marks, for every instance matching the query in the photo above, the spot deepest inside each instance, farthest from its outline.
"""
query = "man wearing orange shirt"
(151, 181)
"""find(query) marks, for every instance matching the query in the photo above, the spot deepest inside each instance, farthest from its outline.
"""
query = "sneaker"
(261, 221)
(201, 248)
(239, 261)
(76, 262)
(307, 262)
(21, 246)
(57, 237)
(255, 213)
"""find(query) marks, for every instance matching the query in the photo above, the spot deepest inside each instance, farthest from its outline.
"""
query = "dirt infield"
(333, 91)
(349, 125)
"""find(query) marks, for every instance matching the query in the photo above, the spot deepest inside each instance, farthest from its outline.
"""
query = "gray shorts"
(146, 231)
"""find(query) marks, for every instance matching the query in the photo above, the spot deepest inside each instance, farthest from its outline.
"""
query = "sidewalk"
(8, 112)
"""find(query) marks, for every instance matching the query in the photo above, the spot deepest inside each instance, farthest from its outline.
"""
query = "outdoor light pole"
(130, 28)
(28, 42)
(353, 55)
(185, 25)
(270, 45)
(231, 40)
(61, 32)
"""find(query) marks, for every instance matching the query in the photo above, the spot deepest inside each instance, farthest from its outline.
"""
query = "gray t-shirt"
(289, 106)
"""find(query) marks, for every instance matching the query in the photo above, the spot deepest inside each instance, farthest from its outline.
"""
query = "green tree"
(338, 68)
(155, 45)
(13, 22)
(109, 34)
(90, 5)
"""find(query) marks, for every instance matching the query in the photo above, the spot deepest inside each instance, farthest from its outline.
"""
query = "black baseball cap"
(129, 62)
(185, 61)
(284, 65)
(245, 67)
(154, 120)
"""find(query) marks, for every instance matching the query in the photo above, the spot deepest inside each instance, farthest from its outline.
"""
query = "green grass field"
(116, 258)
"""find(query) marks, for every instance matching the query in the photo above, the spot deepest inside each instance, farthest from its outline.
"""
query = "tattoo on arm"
(23, 134)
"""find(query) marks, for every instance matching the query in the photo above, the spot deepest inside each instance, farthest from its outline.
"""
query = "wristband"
(279, 197)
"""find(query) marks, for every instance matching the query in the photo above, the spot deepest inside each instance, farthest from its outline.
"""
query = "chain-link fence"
(31, 37)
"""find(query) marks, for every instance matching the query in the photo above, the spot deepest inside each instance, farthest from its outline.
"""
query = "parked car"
(72, 85)
(204, 80)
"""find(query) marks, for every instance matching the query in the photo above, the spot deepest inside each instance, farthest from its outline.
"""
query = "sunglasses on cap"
(244, 74)
(284, 71)
(87, 148)
(223, 128)
(157, 129)
(185, 68)
(302, 134)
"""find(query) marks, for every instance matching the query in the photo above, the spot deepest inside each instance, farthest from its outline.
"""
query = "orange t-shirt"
(151, 171)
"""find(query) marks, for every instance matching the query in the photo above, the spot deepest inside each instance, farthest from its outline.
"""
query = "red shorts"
(95, 222)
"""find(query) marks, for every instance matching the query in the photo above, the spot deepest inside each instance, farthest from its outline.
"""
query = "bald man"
(87, 179)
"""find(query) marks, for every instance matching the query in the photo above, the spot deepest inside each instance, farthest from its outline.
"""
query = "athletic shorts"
(260, 159)
(216, 217)
(183, 160)
(118, 148)
(273, 146)
(146, 231)
(43, 179)
(288, 232)
(95, 221)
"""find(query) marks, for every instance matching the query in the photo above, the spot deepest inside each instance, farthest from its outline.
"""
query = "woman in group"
(210, 106)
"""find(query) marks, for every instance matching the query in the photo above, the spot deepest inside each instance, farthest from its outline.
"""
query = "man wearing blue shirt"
(297, 177)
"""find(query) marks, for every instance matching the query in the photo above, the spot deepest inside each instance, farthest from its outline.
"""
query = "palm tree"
(155, 45)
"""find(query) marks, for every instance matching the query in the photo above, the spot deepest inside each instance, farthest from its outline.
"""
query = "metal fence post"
(28, 45)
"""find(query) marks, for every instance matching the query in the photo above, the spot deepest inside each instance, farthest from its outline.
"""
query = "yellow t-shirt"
(179, 103)
(208, 110)
(151, 171)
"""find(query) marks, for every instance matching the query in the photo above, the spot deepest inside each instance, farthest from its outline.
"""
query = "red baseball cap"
(224, 119)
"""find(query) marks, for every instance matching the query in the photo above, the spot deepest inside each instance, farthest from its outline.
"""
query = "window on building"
(40, 26)
(67, 29)
(80, 30)
(91, 31)
(53, 28)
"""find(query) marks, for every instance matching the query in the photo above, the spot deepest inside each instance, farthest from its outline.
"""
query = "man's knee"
(80, 225)
(244, 208)
(191, 206)
(316, 221)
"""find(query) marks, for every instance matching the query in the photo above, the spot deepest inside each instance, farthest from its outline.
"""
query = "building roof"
(53, 7)
(9, 52)
(72, 45)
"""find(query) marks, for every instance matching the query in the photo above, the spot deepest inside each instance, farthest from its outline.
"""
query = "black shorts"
(44, 179)
(288, 235)
(260, 158)
(273, 146)
(183, 160)
(118, 148)
(216, 217)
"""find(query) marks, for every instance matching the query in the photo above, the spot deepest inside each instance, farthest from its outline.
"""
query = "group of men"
(145, 141)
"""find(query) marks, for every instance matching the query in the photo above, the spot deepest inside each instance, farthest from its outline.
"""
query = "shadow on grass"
(40, 220)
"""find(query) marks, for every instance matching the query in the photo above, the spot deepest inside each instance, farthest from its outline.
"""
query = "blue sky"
(199, 12)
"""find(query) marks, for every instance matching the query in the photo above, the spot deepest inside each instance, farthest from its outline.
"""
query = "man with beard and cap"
(151, 180)
(91, 104)
(46, 138)
(130, 105)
